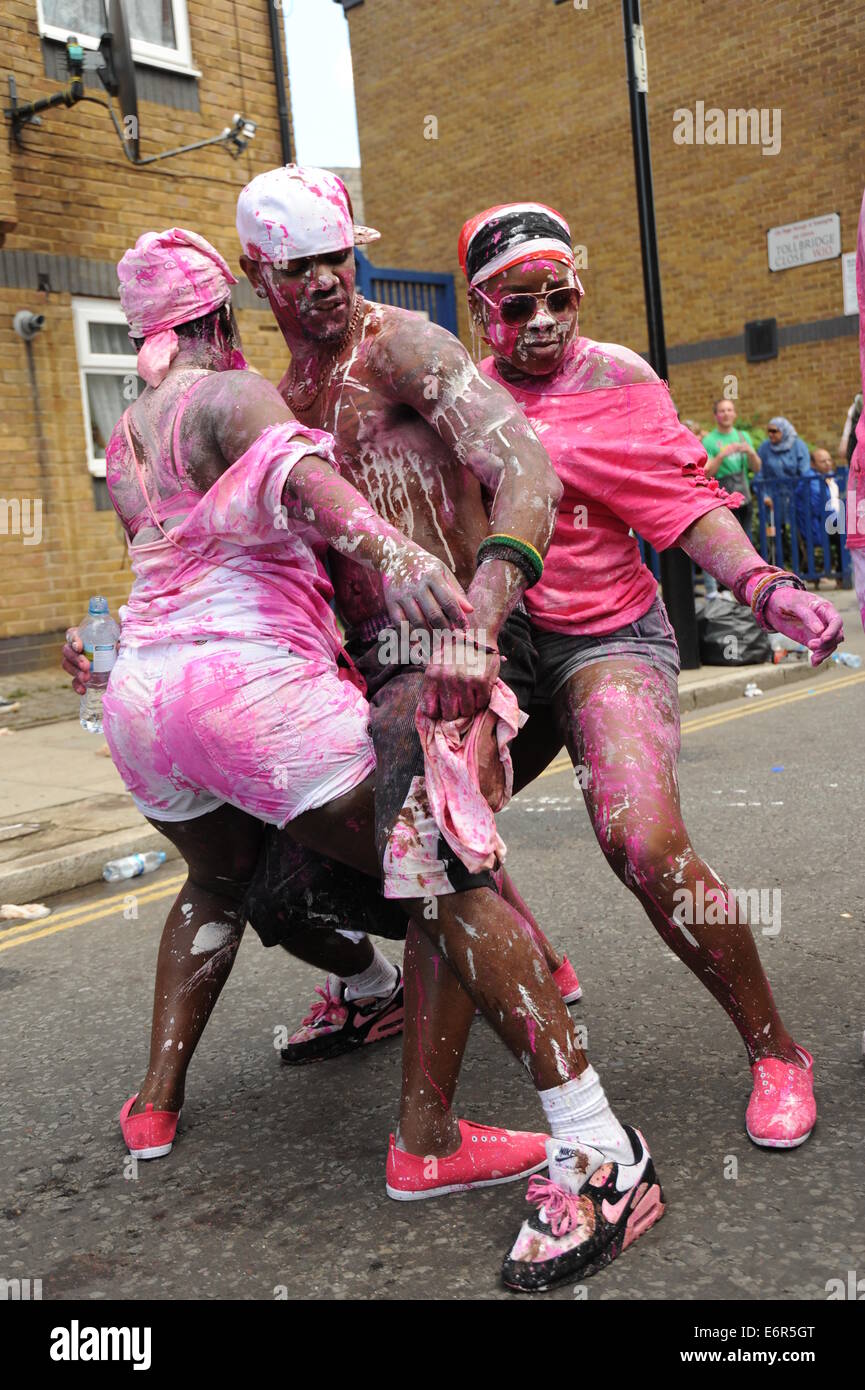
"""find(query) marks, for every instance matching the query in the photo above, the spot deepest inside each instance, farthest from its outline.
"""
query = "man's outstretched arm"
(425, 367)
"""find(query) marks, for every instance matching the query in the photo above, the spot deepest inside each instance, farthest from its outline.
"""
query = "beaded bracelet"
(510, 548)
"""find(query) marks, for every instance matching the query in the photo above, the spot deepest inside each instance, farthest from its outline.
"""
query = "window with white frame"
(158, 29)
(107, 366)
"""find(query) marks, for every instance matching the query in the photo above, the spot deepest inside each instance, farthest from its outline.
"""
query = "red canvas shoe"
(565, 978)
(485, 1158)
(150, 1134)
(782, 1110)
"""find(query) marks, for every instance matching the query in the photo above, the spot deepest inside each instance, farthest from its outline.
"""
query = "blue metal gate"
(425, 291)
(797, 528)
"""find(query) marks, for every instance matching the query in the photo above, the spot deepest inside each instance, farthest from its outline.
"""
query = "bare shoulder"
(405, 345)
(235, 408)
(227, 392)
(618, 364)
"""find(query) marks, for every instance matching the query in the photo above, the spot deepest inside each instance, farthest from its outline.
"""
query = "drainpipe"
(275, 15)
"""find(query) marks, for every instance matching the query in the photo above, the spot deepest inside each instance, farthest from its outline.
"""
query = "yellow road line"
(147, 887)
(81, 915)
(756, 706)
(760, 706)
(30, 932)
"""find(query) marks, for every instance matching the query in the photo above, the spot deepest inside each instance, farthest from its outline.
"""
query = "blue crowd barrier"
(797, 531)
(797, 526)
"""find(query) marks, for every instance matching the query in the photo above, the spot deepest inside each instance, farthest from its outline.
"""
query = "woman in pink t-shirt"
(608, 660)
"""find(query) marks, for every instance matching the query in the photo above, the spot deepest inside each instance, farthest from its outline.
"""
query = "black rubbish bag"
(729, 635)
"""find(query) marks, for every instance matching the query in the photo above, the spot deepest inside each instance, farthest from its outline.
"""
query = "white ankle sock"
(579, 1110)
(379, 978)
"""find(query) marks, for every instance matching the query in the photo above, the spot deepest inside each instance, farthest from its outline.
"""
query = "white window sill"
(144, 60)
(96, 468)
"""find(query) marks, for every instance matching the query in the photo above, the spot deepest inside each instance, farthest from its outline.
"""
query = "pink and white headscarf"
(297, 211)
(168, 278)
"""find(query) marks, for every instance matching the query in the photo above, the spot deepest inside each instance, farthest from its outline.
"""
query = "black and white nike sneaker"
(589, 1210)
(335, 1025)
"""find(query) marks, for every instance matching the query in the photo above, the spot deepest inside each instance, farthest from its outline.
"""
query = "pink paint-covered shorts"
(194, 725)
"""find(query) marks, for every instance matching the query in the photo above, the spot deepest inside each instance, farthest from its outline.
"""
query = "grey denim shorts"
(650, 639)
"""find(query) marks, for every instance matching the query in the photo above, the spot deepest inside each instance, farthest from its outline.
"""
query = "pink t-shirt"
(856, 476)
(239, 564)
(625, 462)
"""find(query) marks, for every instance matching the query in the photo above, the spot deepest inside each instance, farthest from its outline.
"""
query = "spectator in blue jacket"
(818, 498)
(783, 454)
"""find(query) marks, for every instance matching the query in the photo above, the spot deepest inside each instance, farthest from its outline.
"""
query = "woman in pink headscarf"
(608, 662)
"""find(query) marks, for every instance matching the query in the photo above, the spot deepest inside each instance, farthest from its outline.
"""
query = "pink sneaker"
(485, 1158)
(151, 1134)
(782, 1111)
(587, 1212)
(568, 985)
(335, 1025)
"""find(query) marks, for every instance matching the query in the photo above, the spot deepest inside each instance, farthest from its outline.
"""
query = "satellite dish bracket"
(117, 75)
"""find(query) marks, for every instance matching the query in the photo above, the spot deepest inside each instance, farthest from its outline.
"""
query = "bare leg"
(511, 895)
(438, 1017)
(620, 718)
(199, 943)
(330, 951)
(490, 950)
(485, 942)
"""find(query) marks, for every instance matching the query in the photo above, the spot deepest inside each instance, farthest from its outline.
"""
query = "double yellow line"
(760, 705)
(86, 912)
(167, 888)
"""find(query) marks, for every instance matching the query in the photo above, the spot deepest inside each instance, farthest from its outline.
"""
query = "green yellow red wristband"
(501, 540)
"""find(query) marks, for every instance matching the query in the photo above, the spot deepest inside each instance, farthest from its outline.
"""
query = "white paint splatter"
(211, 937)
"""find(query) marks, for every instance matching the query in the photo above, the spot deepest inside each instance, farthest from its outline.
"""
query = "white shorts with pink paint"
(195, 725)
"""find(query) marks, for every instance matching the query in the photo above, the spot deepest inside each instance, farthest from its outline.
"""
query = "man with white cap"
(441, 453)
(424, 437)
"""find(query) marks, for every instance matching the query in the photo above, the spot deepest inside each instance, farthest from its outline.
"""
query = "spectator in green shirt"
(731, 456)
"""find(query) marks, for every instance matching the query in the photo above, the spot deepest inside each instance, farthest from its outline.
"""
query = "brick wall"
(531, 102)
(69, 191)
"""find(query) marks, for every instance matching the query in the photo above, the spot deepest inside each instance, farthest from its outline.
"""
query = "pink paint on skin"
(625, 462)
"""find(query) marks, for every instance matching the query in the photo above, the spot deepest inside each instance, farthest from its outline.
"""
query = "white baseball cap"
(297, 211)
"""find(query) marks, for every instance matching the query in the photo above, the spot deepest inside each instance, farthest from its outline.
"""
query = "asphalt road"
(277, 1179)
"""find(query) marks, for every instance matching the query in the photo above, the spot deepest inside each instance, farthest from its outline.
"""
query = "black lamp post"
(676, 576)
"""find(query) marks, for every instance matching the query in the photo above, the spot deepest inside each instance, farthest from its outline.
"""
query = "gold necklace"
(305, 403)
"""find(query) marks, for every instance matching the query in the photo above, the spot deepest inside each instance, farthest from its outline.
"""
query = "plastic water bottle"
(847, 659)
(99, 633)
(133, 865)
